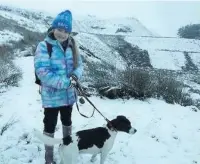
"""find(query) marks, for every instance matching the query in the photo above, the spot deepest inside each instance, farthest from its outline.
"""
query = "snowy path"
(167, 134)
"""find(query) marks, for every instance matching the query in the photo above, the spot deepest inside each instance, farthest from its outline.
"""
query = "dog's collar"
(111, 127)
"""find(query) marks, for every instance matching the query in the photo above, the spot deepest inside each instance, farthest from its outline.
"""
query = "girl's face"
(61, 35)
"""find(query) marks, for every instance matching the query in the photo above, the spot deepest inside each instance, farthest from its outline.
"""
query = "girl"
(55, 73)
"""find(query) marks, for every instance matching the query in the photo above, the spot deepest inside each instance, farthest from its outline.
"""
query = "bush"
(101, 74)
(124, 29)
(31, 38)
(9, 73)
(189, 65)
(133, 55)
(7, 125)
(191, 31)
(137, 83)
(169, 89)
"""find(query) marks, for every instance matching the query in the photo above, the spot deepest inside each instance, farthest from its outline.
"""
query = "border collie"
(94, 141)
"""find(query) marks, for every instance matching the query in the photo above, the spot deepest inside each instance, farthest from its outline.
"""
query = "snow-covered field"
(30, 24)
(167, 134)
(164, 53)
(167, 53)
(100, 50)
(6, 36)
(93, 24)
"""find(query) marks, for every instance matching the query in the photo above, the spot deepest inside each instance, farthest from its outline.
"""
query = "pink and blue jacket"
(54, 73)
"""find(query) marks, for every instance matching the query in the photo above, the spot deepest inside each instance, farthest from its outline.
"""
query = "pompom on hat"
(63, 21)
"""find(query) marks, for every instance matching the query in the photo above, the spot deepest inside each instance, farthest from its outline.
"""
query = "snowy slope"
(100, 49)
(6, 36)
(167, 53)
(31, 24)
(93, 24)
(166, 133)
(164, 53)
(87, 24)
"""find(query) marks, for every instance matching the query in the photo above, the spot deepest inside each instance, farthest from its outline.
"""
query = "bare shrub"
(171, 90)
(133, 55)
(13, 79)
(31, 38)
(9, 73)
(185, 100)
(124, 29)
(167, 86)
(138, 83)
(7, 125)
(101, 73)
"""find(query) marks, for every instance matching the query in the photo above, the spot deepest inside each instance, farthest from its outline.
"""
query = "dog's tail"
(46, 139)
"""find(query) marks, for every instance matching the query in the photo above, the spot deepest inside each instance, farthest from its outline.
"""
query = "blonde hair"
(75, 50)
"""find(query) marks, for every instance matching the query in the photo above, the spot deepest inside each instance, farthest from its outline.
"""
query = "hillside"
(119, 26)
(99, 37)
(108, 41)
(171, 131)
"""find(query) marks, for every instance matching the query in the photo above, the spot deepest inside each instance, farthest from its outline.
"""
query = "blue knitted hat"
(63, 20)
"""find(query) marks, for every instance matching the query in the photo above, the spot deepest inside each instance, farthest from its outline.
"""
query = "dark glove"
(74, 77)
(73, 81)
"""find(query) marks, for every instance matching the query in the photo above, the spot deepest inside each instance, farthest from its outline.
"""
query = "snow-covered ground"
(167, 134)
(164, 53)
(178, 44)
(83, 23)
(30, 24)
(6, 36)
(93, 24)
(167, 53)
(100, 50)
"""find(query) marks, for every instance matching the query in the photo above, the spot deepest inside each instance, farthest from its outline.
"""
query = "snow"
(6, 36)
(167, 60)
(100, 49)
(93, 24)
(166, 133)
(30, 24)
(195, 58)
(168, 53)
(83, 23)
(162, 43)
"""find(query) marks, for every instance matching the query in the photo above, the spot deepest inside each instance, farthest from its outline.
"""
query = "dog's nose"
(132, 131)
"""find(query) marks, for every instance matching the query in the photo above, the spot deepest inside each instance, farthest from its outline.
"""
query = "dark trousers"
(51, 117)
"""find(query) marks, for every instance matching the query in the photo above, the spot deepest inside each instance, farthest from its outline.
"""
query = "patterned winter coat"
(54, 73)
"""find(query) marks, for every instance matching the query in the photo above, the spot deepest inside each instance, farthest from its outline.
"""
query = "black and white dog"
(95, 141)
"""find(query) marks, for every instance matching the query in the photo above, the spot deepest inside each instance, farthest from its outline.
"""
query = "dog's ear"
(118, 119)
(121, 117)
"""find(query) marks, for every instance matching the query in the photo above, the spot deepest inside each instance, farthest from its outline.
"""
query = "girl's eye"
(61, 30)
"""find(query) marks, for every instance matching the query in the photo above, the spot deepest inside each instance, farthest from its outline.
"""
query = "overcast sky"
(163, 17)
